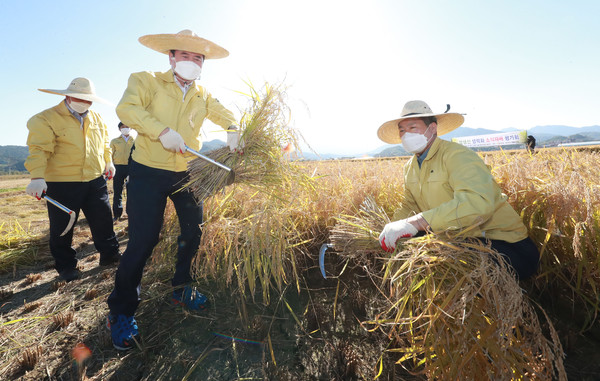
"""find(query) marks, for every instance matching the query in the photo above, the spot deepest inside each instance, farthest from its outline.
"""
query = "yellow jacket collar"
(433, 149)
(166, 76)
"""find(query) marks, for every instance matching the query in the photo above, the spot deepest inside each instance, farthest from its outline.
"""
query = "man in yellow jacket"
(121, 150)
(167, 110)
(68, 155)
(449, 187)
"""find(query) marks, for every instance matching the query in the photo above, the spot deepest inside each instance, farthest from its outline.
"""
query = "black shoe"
(70, 274)
(107, 261)
(115, 219)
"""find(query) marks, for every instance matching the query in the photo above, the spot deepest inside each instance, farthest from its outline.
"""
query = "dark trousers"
(147, 193)
(92, 199)
(522, 255)
(118, 181)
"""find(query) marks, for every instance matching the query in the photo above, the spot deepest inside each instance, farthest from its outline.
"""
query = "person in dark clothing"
(530, 144)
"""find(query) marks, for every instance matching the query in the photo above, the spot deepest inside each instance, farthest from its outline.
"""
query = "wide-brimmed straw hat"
(446, 122)
(81, 88)
(184, 40)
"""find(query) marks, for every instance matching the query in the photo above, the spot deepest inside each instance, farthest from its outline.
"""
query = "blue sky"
(350, 65)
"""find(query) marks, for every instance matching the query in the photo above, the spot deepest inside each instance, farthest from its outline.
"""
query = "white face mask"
(125, 131)
(413, 142)
(188, 70)
(79, 107)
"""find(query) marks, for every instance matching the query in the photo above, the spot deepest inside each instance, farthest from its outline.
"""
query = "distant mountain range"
(12, 158)
(545, 136)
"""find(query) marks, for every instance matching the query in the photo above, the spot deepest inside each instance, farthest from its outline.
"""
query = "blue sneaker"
(189, 298)
(123, 330)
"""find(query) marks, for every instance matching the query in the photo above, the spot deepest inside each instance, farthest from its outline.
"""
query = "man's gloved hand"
(36, 188)
(109, 170)
(172, 141)
(233, 139)
(394, 231)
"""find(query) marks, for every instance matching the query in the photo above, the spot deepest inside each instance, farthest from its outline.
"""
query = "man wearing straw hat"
(167, 110)
(68, 155)
(449, 187)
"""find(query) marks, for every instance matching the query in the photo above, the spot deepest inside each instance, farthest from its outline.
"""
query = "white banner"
(504, 138)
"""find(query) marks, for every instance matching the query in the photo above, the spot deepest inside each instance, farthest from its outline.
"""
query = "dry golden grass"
(258, 242)
(557, 193)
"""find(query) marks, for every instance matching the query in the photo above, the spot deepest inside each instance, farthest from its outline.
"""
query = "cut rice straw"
(265, 136)
(455, 312)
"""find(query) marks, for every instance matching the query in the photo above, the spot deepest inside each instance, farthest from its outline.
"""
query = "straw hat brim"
(388, 132)
(84, 96)
(164, 43)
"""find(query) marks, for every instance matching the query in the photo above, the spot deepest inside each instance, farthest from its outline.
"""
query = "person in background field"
(121, 150)
(530, 144)
(449, 187)
(68, 154)
(167, 110)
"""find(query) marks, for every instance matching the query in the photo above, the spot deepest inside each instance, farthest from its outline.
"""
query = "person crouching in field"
(167, 110)
(449, 187)
(68, 155)
(121, 150)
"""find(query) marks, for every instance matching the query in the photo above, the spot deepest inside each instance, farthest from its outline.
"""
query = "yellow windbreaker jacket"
(60, 150)
(153, 102)
(121, 150)
(454, 189)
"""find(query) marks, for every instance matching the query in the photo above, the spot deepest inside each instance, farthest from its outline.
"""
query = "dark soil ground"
(318, 333)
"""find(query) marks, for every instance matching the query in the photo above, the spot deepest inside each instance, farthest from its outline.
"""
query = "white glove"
(394, 231)
(109, 170)
(36, 188)
(172, 141)
(233, 139)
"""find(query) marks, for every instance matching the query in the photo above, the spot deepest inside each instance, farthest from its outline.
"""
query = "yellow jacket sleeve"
(113, 149)
(41, 145)
(218, 114)
(474, 197)
(132, 107)
(106, 144)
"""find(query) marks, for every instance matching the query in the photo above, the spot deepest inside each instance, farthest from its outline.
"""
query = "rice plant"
(557, 194)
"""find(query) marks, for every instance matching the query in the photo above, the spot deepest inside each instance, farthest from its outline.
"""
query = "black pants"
(92, 199)
(122, 171)
(522, 255)
(148, 190)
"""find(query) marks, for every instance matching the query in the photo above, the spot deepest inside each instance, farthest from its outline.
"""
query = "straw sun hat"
(184, 40)
(446, 122)
(81, 88)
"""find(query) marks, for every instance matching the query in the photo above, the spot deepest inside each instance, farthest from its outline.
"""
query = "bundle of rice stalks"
(458, 313)
(357, 236)
(256, 251)
(266, 137)
(455, 312)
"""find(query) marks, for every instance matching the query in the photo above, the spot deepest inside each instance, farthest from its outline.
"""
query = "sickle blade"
(322, 251)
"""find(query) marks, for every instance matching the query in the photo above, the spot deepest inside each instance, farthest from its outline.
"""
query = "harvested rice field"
(439, 308)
